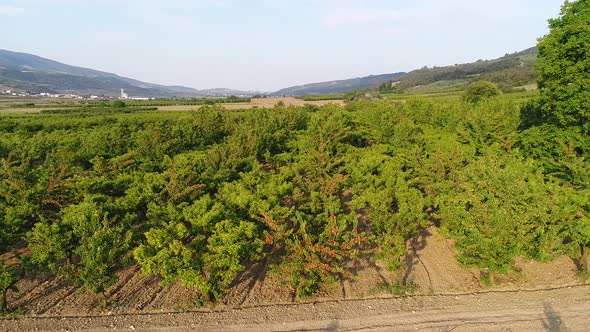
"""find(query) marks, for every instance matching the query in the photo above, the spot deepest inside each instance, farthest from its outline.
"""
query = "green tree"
(85, 246)
(8, 278)
(10, 274)
(564, 64)
(481, 90)
(558, 123)
(119, 104)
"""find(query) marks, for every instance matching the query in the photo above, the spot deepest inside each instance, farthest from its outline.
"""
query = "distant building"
(124, 95)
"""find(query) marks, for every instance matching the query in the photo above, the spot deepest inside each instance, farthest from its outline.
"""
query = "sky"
(265, 45)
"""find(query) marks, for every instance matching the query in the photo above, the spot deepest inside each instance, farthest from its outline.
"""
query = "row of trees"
(198, 197)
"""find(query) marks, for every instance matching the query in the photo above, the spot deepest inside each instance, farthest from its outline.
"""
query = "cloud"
(8, 10)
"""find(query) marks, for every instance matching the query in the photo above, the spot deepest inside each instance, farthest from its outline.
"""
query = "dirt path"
(563, 309)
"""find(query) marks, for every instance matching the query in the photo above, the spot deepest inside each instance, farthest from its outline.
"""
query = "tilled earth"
(563, 309)
(445, 296)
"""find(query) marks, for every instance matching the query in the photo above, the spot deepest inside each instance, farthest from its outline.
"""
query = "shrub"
(119, 104)
(502, 207)
(481, 90)
(202, 245)
(85, 246)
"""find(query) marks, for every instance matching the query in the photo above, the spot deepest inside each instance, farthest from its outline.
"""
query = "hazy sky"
(269, 44)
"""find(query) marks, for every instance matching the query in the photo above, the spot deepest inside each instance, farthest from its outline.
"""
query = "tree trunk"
(3, 305)
(585, 259)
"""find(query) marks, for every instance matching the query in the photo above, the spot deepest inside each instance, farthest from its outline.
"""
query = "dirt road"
(540, 297)
(563, 309)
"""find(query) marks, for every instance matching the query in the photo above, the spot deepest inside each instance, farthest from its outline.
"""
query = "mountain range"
(340, 86)
(27, 72)
(33, 73)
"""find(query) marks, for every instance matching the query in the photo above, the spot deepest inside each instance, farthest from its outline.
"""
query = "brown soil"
(435, 270)
(564, 309)
(270, 102)
(257, 102)
(431, 267)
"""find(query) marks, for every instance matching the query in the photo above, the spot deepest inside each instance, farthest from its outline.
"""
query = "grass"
(454, 96)
(13, 104)
(584, 276)
(396, 289)
(336, 96)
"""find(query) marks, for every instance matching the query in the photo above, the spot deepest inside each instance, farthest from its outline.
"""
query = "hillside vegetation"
(509, 72)
(335, 87)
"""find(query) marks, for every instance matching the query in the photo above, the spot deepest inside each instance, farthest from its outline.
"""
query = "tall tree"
(564, 66)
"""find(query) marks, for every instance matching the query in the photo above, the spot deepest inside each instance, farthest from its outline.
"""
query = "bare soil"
(444, 295)
(289, 101)
(564, 309)
(257, 102)
(435, 270)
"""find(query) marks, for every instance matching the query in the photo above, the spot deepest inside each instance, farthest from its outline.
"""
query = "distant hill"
(32, 73)
(340, 86)
(509, 71)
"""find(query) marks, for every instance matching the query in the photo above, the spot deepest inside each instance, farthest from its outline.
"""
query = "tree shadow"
(147, 290)
(333, 326)
(353, 267)
(45, 298)
(552, 321)
(416, 244)
(255, 273)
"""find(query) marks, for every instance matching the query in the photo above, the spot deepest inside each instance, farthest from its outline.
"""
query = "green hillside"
(509, 72)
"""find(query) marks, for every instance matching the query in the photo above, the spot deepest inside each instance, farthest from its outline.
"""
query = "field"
(12, 104)
(113, 210)
(258, 102)
(452, 198)
(37, 105)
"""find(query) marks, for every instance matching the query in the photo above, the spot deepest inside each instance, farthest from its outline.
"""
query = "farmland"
(199, 199)
(37, 105)
(448, 199)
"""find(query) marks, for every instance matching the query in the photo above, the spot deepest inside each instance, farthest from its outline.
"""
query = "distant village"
(123, 96)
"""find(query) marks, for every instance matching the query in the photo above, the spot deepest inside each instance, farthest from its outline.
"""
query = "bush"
(500, 208)
(85, 246)
(481, 90)
(119, 104)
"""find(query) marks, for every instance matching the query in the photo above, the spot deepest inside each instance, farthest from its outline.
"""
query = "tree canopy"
(477, 91)
(564, 66)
